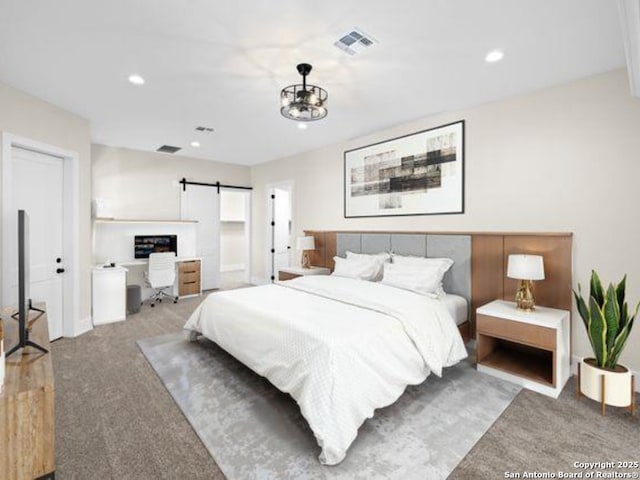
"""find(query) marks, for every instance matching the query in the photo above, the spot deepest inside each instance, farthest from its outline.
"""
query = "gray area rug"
(254, 431)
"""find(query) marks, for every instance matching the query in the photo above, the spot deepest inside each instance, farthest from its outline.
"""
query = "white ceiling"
(222, 63)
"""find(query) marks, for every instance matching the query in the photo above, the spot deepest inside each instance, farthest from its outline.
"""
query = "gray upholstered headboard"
(456, 247)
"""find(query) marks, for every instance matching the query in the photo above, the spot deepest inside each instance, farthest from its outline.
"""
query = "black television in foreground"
(24, 297)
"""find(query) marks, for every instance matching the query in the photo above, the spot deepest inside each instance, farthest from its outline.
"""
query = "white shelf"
(119, 220)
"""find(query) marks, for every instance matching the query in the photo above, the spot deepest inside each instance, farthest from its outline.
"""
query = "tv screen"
(147, 244)
(24, 265)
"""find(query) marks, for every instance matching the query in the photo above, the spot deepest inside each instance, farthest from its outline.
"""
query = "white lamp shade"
(526, 267)
(306, 243)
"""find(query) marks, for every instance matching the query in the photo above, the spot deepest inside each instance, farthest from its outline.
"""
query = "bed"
(340, 347)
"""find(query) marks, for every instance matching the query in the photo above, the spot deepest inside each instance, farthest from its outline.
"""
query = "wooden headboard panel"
(489, 253)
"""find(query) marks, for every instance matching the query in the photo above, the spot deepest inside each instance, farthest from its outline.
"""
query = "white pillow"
(381, 258)
(360, 268)
(444, 263)
(423, 279)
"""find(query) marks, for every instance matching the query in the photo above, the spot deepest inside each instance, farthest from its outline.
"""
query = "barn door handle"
(59, 270)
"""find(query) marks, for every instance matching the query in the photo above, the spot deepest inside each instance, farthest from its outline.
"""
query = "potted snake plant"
(608, 322)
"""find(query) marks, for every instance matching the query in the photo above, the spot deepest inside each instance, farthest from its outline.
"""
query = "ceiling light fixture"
(195, 144)
(494, 56)
(303, 102)
(136, 79)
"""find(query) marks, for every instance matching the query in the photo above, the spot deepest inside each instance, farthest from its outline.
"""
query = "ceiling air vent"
(355, 42)
(168, 149)
(204, 129)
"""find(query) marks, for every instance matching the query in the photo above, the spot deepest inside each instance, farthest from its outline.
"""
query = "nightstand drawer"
(282, 276)
(527, 334)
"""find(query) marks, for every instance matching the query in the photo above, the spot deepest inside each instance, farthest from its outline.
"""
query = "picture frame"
(421, 173)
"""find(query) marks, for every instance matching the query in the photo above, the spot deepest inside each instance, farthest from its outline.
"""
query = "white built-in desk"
(109, 294)
(188, 274)
(110, 286)
(143, 261)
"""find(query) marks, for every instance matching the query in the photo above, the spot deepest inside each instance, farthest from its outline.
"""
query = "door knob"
(58, 260)
(59, 270)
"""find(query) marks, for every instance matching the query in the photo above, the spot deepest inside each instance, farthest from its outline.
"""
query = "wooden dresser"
(189, 278)
(27, 414)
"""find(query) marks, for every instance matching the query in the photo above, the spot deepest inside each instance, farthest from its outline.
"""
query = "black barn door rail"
(184, 182)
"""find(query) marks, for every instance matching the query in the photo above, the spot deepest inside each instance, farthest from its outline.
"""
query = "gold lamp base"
(304, 261)
(524, 296)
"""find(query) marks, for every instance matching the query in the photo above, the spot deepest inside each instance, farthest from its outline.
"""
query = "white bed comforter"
(340, 347)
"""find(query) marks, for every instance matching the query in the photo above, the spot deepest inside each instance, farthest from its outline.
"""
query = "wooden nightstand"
(294, 272)
(527, 348)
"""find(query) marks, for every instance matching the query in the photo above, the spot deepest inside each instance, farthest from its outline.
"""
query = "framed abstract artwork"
(417, 174)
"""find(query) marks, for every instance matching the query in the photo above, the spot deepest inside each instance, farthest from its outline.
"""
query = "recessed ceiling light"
(494, 56)
(302, 126)
(195, 144)
(136, 79)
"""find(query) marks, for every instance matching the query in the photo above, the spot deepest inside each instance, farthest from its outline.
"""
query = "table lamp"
(525, 268)
(305, 244)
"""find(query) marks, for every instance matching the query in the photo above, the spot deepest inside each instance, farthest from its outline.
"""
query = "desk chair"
(161, 276)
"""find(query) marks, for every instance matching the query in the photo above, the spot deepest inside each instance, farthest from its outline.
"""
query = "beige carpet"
(115, 419)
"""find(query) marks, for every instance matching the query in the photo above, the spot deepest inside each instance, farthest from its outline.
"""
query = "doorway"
(42, 180)
(223, 216)
(280, 227)
(235, 211)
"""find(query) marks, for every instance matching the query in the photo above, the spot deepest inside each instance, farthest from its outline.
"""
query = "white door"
(281, 229)
(37, 183)
(203, 205)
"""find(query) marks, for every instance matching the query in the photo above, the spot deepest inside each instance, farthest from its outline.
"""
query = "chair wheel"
(160, 300)
(175, 301)
(153, 305)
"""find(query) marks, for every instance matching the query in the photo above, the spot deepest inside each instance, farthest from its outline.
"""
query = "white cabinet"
(109, 295)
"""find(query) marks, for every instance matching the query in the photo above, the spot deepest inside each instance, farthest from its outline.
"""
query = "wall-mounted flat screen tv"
(147, 244)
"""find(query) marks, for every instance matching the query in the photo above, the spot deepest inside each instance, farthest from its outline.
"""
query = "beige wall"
(143, 185)
(32, 118)
(565, 158)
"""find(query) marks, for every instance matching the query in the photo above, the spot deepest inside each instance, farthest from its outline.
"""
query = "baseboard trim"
(232, 267)
(259, 281)
(575, 359)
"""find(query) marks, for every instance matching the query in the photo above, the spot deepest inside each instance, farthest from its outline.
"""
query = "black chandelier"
(303, 102)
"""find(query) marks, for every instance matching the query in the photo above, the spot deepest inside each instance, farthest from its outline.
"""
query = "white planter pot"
(617, 384)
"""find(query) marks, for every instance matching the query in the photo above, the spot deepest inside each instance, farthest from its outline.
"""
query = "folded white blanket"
(340, 347)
